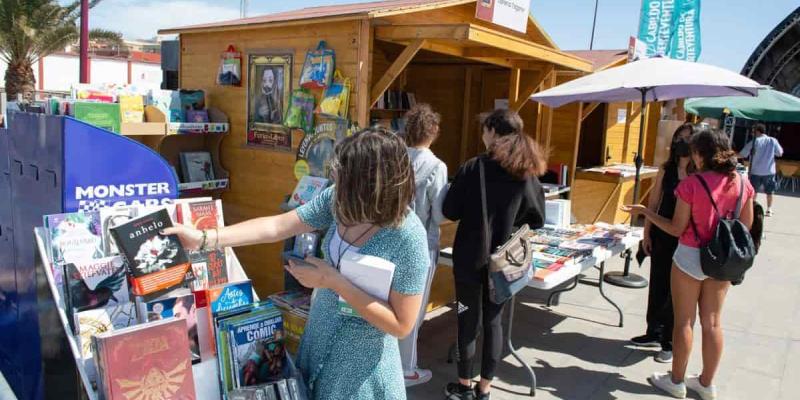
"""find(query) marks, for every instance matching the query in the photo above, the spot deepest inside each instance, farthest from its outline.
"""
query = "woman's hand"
(647, 244)
(633, 209)
(322, 275)
(190, 238)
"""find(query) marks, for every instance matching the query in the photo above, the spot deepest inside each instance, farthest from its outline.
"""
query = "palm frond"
(107, 36)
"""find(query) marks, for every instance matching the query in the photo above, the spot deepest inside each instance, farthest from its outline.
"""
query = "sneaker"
(769, 213)
(663, 356)
(705, 392)
(664, 382)
(457, 391)
(418, 377)
(483, 396)
(647, 340)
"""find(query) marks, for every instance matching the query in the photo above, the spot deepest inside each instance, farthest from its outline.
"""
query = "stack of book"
(396, 100)
(295, 307)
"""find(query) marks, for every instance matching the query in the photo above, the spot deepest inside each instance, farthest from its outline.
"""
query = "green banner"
(671, 28)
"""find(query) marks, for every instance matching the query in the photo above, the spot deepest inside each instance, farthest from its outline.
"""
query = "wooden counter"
(597, 196)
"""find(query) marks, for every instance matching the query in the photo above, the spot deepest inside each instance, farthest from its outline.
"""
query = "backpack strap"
(738, 211)
(713, 203)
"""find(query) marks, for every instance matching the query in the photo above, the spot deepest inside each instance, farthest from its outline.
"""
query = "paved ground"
(578, 352)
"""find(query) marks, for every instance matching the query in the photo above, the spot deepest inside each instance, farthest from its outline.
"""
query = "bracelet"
(203, 243)
(216, 240)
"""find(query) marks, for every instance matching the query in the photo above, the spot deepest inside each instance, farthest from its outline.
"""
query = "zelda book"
(74, 236)
(93, 322)
(178, 304)
(91, 284)
(146, 362)
(156, 263)
(257, 348)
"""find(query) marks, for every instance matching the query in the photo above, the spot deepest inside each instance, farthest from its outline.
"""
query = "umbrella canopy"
(770, 106)
(662, 78)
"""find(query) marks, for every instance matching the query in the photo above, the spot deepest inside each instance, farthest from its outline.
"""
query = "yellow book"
(131, 108)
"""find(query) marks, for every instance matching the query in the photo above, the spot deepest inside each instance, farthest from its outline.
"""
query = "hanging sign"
(637, 50)
(103, 169)
(512, 14)
(671, 28)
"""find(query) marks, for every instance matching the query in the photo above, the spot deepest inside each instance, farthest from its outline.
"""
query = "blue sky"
(730, 29)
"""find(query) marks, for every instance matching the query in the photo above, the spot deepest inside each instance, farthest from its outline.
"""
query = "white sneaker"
(418, 377)
(664, 382)
(705, 392)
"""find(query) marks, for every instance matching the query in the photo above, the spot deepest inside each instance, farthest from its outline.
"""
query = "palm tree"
(33, 29)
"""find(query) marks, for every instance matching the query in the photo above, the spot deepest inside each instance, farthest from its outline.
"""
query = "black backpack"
(731, 251)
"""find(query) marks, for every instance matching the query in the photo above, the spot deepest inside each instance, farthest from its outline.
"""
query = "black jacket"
(511, 202)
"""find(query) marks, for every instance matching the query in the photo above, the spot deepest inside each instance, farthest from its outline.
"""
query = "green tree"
(33, 29)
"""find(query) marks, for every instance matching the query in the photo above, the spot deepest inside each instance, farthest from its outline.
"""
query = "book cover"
(204, 215)
(146, 362)
(131, 108)
(74, 236)
(369, 273)
(111, 217)
(196, 166)
(94, 284)
(307, 188)
(257, 348)
(197, 116)
(227, 297)
(102, 115)
(181, 204)
(220, 338)
(94, 322)
(155, 262)
(180, 305)
(210, 269)
(247, 394)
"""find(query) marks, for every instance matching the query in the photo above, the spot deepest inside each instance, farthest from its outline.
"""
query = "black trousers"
(660, 316)
(475, 310)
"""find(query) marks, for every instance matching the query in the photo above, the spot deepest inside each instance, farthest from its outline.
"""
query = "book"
(305, 244)
(156, 263)
(202, 215)
(93, 322)
(192, 99)
(196, 166)
(210, 269)
(197, 116)
(111, 217)
(307, 188)
(94, 284)
(257, 348)
(283, 390)
(180, 204)
(102, 115)
(369, 273)
(179, 304)
(227, 297)
(247, 394)
(74, 236)
(148, 361)
(131, 108)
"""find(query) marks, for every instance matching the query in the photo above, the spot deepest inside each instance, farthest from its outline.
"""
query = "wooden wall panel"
(260, 179)
(622, 139)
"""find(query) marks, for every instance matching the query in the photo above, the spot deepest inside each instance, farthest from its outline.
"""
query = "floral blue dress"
(344, 357)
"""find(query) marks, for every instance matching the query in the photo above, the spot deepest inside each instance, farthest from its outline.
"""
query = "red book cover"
(148, 362)
(204, 215)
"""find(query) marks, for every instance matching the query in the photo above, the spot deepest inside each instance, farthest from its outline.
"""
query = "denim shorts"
(687, 259)
(764, 183)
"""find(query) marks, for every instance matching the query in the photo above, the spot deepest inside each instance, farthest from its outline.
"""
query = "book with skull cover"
(156, 263)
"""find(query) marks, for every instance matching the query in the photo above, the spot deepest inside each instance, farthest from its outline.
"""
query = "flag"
(671, 28)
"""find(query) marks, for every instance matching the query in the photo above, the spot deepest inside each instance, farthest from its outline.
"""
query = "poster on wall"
(316, 150)
(268, 91)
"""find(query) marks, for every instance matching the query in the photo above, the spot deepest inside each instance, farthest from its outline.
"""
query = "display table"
(206, 378)
(568, 273)
(597, 193)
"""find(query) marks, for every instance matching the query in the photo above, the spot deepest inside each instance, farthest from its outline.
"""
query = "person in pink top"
(694, 222)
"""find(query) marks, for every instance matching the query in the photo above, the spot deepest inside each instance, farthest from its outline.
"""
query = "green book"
(102, 115)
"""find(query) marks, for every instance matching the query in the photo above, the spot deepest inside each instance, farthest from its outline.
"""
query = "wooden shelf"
(216, 184)
(388, 110)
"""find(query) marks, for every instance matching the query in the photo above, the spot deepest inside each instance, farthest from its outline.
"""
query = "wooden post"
(547, 126)
(513, 86)
(573, 166)
(587, 110)
(364, 70)
(394, 70)
(529, 90)
(466, 116)
(627, 138)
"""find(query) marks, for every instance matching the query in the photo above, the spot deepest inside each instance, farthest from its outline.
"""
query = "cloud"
(142, 19)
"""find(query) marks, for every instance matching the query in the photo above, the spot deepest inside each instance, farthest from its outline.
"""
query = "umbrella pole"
(626, 278)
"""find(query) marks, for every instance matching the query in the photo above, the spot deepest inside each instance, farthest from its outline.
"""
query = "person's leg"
(660, 297)
(769, 188)
(712, 296)
(492, 340)
(408, 345)
(468, 297)
(685, 295)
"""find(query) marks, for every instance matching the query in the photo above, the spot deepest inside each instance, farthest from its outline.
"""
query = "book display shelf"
(170, 139)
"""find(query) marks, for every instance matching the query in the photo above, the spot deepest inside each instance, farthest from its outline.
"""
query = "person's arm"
(674, 227)
(453, 206)
(532, 209)
(653, 203)
(747, 149)
(259, 230)
(437, 192)
(778, 148)
(397, 317)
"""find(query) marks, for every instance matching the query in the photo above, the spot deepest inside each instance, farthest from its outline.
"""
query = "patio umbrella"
(770, 106)
(652, 79)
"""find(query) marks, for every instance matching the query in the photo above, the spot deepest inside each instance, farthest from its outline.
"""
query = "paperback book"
(210, 269)
(74, 236)
(179, 304)
(144, 362)
(257, 348)
(102, 115)
(307, 188)
(202, 215)
(94, 322)
(196, 166)
(227, 297)
(155, 262)
(94, 284)
(370, 274)
(111, 217)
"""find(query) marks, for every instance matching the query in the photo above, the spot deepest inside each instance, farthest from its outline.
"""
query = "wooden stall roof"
(602, 59)
(472, 41)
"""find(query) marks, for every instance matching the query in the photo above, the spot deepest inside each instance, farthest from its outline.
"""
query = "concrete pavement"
(578, 352)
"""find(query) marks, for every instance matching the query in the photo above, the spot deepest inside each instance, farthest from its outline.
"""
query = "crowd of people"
(391, 193)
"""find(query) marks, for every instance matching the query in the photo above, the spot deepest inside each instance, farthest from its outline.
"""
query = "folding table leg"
(514, 351)
(555, 293)
(603, 293)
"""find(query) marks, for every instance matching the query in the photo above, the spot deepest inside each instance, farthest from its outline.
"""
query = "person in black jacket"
(514, 197)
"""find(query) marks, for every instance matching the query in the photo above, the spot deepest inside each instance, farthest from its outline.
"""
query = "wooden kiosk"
(437, 50)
